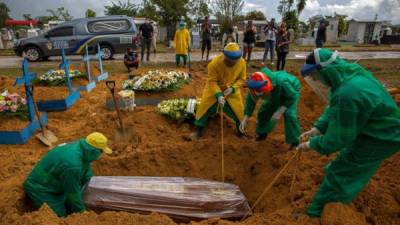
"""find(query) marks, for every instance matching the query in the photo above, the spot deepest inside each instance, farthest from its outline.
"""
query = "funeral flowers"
(12, 104)
(178, 109)
(56, 77)
(156, 80)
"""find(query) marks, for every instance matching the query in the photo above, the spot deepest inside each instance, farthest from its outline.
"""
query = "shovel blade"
(125, 134)
(47, 137)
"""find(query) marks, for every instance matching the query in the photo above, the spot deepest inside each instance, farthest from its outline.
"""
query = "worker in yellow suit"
(182, 43)
(226, 76)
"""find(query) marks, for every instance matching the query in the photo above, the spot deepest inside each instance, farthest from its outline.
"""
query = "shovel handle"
(111, 85)
(35, 107)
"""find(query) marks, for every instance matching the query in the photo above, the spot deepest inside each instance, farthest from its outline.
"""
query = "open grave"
(160, 148)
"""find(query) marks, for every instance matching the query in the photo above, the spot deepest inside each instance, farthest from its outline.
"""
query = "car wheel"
(33, 53)
(108, 52)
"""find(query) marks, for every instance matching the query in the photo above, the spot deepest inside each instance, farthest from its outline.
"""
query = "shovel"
(122, 133)
(45, 136)
(189, 66)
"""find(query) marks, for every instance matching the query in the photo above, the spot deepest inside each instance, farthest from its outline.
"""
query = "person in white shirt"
(155, 34)
(270, 33)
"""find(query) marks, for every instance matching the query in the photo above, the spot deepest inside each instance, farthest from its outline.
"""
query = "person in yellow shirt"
(226, 75)
(182, 43)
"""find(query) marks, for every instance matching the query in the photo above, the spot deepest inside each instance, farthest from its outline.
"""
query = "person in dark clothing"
(205, 37)
(146, 36)
(321, 34)
(282, 46)
(131, 59)
(249, 40)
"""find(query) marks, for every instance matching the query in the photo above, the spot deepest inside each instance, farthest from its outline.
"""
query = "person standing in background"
(182, 43)
(205, 37)
(321, 34)
(270, 33)
(155, 34)
(228, 37)
(282, 46)
(146, 36)
(249, 40)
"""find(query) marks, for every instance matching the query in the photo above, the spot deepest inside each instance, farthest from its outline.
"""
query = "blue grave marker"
(62, 104)
(22, 136)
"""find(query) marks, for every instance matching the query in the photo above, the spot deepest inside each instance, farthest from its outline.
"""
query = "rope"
(270, 185)
(295, 172)
(222, 144)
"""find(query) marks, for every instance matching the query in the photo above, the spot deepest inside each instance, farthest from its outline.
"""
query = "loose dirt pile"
(161, 149)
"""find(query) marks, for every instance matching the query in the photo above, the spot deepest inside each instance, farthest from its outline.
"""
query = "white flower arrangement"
(156, 80)
(177, 109)
(57, 77)
(128, 99)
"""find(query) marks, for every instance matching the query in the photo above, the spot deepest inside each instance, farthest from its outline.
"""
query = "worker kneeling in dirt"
(280, 93)
(362, 122)
(226, 75)
(59, 177)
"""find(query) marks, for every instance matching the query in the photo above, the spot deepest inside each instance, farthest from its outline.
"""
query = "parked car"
(114, 34)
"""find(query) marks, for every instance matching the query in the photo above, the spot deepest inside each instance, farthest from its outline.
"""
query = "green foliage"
(199, 8)
(27, 16)
(171, 11)
(148, 10)
(59, 14)
(255, 15)
(121, 8)
(342, 26)
(228, 12)
(90, 13)
(291, 19)
(289, 15)
(4, 10)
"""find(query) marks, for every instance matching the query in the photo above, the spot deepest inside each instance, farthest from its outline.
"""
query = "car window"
(61, 32)
(108, 26)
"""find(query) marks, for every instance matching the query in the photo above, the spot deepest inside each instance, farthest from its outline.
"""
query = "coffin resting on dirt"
(183, 199)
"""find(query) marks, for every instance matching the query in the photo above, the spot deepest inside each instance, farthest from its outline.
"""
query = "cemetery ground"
(160, 148)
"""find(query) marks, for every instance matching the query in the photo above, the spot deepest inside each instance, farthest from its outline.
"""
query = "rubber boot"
(261, 137)
(197, 134)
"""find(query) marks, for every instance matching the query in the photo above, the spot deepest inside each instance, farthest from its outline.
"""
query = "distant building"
(364, 32)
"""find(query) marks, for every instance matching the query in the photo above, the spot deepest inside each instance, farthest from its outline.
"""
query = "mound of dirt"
(159, 148)
(340, 214)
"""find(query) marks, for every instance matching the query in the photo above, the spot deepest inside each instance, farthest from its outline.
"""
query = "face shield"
(310, 72)
(318, 87)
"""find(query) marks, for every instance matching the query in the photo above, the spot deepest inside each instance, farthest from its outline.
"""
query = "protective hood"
(334, 70)
(89, 153)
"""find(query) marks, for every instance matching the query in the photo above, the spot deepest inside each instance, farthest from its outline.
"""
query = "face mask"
(93, 154)
(318, 87)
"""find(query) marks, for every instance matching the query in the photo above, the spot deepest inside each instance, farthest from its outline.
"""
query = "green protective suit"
(59, 177)
(285, 92)
(362, 122)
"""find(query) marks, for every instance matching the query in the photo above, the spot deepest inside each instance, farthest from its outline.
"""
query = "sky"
(357, 9)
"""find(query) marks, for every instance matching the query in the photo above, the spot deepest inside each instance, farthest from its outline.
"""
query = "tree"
(289, 14)
(228, 12)
(342, 26)
(121, 8)
(255, 15)
(59, 14)
(90, 13)
(170, 12)
(199, 8)
(148, 10)
(4, 10)
(27, 16)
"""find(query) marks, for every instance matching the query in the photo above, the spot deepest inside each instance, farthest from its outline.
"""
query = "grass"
(6, 52)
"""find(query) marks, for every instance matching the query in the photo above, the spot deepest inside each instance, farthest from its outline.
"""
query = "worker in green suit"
(280, 93)
(59, 177)
(362, 122)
